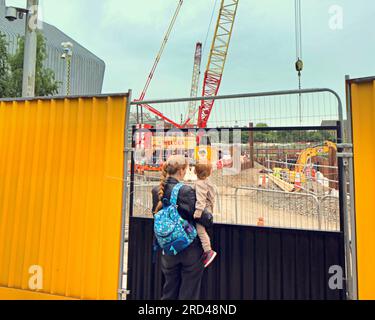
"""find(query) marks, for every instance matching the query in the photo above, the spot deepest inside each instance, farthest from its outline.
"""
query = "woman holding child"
(183, 271)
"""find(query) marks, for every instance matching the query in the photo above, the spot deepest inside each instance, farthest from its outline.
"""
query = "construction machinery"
(217, 59)
(299, 174)
(309, 153)
(212, 78)
(192, 109)
(214, 71)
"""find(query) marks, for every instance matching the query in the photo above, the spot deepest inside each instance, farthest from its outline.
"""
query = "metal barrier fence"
(299, 211)
(247, 192)
(277, 109)
(251, 195)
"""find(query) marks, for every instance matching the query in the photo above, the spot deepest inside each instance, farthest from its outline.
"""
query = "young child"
(206, 195)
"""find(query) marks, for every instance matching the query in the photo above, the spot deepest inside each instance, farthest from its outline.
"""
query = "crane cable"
(299, 62)
(161, 50)
(209, 26)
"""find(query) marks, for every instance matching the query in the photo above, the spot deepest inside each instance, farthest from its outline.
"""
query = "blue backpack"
(173, 233)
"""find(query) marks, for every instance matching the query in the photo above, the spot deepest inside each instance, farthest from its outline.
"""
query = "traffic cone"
(220, 165)
(297, 183)
(264, 181)
(313, 174)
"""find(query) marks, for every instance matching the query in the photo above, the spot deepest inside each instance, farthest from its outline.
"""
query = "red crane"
(215, 66)
(217, 58)
(192, 109)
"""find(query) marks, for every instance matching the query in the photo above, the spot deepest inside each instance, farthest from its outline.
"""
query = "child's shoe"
(208, 258)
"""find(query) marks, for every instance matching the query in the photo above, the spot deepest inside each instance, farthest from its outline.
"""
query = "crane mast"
(192, 109)
(217, 58)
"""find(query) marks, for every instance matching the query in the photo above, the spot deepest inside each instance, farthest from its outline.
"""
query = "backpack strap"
(155, 248)
(175, 192)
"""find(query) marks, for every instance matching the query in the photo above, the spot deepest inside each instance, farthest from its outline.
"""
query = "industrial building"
(87, 70)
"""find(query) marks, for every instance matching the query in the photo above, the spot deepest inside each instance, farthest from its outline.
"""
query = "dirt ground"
(269, 203)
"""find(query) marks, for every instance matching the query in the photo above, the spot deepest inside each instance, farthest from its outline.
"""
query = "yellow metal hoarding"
(363, 123)
(61, 173)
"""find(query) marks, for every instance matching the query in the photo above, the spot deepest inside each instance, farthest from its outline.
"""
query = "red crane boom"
(192, 109)
(217, 58)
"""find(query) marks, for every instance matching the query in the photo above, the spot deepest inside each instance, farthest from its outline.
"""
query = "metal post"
(236, 204)
(131, 206)
(125, 195)
(319, 214)
(142, 116)
(251, 144)
(343, 156)
(67, 56)
(29, 61)
(68, 80)
(353, 235)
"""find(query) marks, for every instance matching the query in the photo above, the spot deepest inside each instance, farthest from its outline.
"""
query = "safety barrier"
(274, 261)
(361, 124)
(61, 192)
(317, 213)
(316, 216)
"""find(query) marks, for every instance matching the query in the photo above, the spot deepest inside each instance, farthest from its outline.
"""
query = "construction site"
(265, 194)
(293, 184)
(290, 173)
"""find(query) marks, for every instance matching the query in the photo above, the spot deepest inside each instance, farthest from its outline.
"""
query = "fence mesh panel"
(285, 178)
(309, 109)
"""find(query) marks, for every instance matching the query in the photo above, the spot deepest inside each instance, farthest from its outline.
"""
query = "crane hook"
(299, 66)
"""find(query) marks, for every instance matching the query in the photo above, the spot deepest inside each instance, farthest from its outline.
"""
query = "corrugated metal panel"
(16, 294)
(61, 169)
(363, 117)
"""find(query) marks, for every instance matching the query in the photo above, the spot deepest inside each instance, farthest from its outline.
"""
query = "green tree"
(45, 82)
(4, 67)
(264, 136)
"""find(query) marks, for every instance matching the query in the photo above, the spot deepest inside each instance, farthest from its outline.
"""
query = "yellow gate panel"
(61, 172)
(363, 118)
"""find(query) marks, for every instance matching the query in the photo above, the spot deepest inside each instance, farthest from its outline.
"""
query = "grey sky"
(127, 34)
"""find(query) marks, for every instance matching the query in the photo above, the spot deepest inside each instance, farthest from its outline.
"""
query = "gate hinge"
(123, 292)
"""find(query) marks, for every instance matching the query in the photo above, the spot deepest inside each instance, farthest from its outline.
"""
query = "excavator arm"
(309, 153)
